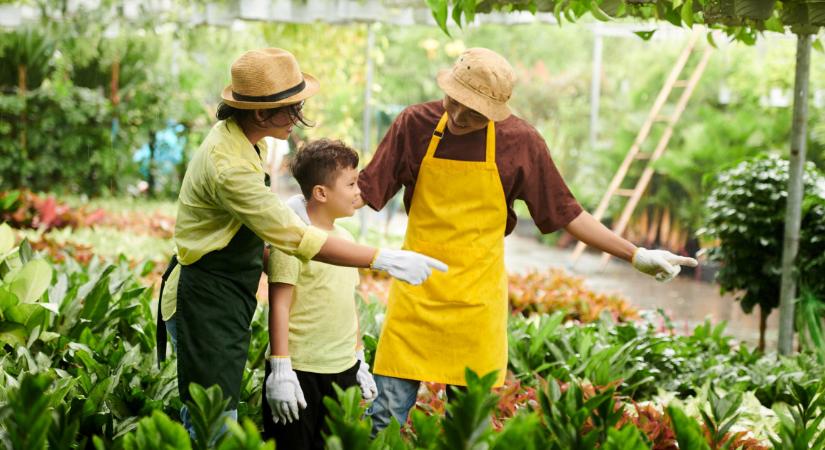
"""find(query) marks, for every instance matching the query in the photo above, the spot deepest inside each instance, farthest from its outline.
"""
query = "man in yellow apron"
(463, 162)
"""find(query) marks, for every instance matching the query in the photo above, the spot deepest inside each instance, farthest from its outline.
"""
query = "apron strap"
(491, 144)
(160, 331)
(437, 135)
(490, 156)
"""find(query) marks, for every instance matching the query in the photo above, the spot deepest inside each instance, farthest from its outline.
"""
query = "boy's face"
(344, 194)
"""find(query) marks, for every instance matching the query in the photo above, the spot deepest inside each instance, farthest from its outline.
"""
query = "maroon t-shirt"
(527, 172)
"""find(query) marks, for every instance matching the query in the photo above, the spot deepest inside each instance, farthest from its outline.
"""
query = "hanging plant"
(796, 13)
(721, 12)
(613, 8)
(816, 12)
(754, 9)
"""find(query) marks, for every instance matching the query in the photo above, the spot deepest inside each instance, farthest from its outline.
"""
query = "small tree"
(746, 213)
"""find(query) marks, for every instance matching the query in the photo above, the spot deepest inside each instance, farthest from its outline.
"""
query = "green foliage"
(26, 415)
(741, 22)
(28, 51)
(88, 102)
(688, 433)
(344, 420)
(91, 330)
(566, 414)
(746, 211)
(24, 281)
(157, 431)
(800, 426)
(627, 438)
(468, 423)
(88, 378)
(206, 408)
(810, 311)
(643, 360)
(69, 129)
(724, 411)
(244, 437)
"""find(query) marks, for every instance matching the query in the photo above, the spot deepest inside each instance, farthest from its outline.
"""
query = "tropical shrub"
(746, 220)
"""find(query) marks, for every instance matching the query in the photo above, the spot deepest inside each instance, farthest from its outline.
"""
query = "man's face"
(463, 120)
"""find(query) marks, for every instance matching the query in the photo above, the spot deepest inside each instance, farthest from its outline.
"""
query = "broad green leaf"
(25, 314)
(97, 301)
(7, 300)
(458, 9)
(51, 307)
(687, 13)
(712, 43)
(26, 252)
(439, 9)
(31, 281)
(598, 13)
(12, 333)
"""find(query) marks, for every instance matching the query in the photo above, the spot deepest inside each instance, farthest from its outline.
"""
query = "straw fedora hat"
(268, 78)
(481, 79)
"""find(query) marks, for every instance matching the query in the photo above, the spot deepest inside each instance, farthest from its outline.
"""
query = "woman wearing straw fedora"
(463, 161)
(226, 213)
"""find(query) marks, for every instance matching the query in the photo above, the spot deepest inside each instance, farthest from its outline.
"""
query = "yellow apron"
(456, 319)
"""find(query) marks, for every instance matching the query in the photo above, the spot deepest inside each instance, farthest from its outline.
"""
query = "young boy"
(313, 322)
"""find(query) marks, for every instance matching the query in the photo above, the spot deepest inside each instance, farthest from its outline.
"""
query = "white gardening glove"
(660, 263)
(283, 391)
(299, 204)
(412, 267)
(365, 380)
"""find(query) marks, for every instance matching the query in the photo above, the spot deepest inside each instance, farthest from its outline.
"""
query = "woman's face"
(280, 124)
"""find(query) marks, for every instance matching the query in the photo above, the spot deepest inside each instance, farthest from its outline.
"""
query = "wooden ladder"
(635, 154)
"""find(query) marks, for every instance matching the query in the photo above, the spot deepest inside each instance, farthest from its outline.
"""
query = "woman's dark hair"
(296, 117)
(317, 163)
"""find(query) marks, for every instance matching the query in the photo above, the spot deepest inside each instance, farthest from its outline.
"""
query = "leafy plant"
(800, 426)
(746, 212)
(555, 290)
(724, 412)
(575, 421)
(26, 415)
(158, 431)
(688, 434)
(206, 409)
(810, 311)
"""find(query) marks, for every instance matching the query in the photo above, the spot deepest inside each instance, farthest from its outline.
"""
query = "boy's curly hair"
(318, 161)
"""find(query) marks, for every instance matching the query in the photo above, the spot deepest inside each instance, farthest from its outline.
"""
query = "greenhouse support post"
(595, 86)
(367, 114)
(793, 213)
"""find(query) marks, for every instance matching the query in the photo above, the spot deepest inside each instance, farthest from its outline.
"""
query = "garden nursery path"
(686, 301)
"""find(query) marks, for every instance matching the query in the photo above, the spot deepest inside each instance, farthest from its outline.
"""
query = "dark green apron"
(216, 301)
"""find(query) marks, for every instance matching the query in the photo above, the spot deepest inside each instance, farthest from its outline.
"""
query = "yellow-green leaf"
(31, 281)
(439, 9)
(12, 333)
(598, 13)
(687, 13)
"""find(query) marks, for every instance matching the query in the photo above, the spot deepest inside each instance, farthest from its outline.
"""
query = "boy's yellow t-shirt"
(323, 319)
